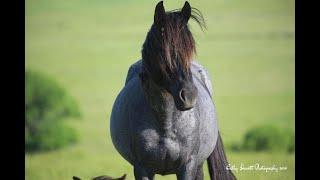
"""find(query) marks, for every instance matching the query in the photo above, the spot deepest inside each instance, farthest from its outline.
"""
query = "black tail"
(217, 163)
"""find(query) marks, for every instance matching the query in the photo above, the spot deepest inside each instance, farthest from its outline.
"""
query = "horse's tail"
(217, 163)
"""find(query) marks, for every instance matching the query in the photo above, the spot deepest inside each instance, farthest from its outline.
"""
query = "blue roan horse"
(164, 121)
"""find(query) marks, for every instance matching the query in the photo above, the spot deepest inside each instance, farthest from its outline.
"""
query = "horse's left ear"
(186, 11)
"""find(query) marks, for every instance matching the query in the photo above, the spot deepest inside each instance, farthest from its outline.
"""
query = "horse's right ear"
(159, 15)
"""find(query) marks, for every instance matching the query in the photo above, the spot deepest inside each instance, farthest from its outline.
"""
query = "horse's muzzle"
(187, 99)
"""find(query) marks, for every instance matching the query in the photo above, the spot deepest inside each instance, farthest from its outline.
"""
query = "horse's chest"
(157, 146)
(165, 151)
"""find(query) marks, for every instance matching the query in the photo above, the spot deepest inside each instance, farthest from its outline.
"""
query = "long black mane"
(171, 46)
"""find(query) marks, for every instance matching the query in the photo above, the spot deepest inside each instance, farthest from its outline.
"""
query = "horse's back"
(134, 71)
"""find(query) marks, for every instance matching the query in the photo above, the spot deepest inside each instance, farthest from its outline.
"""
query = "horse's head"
(167, 54)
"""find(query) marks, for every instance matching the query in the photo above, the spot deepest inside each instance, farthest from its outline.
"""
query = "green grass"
(88, 46)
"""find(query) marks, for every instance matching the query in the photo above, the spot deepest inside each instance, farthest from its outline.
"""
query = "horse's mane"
(173, 45)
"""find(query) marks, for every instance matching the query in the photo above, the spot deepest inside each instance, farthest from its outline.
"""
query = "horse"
(163, 121)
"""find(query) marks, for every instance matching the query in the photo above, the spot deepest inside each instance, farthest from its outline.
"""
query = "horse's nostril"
(182, 95)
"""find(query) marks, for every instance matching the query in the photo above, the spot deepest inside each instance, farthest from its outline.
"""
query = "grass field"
(87, 46)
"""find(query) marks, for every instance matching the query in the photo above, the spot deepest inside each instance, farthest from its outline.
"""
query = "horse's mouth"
(184, 107)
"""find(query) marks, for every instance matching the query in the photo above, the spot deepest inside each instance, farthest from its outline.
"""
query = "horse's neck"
(170, 119)
(166, 115)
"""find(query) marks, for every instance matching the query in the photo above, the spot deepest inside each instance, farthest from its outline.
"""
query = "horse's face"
(180, 87)
(183, 90)
(168, 52)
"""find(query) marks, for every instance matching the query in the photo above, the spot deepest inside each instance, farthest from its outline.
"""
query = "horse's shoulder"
(202, 74)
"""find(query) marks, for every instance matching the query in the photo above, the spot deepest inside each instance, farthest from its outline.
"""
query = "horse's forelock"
(172, 46)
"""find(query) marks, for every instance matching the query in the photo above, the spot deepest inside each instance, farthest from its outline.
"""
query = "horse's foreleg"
(199, 175)
(142, 174)
(188, 171)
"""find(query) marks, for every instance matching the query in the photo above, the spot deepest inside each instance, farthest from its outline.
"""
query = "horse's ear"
(186, 11)
(159, 15)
